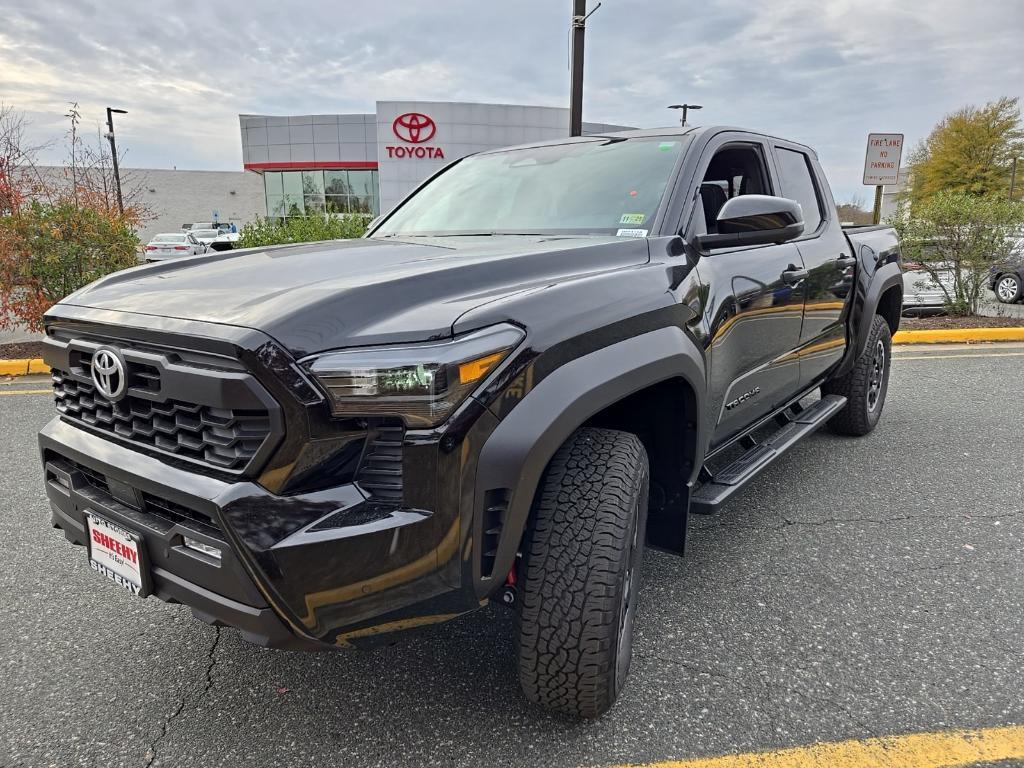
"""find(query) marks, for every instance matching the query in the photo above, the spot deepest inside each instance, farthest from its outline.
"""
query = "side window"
(798, 184)
(734, 170)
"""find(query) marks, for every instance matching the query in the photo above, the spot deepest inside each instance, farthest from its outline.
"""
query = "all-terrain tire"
(581, 573)
(865, 385)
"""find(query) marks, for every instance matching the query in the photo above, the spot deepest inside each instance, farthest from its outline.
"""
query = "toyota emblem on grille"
(108, 373)
(414, 127)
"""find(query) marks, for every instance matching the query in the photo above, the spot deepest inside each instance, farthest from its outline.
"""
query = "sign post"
(882, 165)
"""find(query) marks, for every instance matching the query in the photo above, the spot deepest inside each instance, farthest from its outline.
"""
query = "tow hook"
(508, 592)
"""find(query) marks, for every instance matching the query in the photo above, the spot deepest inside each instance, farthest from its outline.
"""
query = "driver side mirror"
(755, 220)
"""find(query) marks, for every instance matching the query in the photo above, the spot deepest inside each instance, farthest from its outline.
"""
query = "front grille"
(380, 472)
(223, 438)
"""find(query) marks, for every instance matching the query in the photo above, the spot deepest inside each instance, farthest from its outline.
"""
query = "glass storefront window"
(293, 204)
(337, 183)
(272, 183)
(297, 193)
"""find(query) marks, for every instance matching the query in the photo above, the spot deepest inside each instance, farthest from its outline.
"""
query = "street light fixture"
(686, 108)
(113, 153)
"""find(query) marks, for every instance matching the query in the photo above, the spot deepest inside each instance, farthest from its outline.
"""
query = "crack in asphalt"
(150, 754)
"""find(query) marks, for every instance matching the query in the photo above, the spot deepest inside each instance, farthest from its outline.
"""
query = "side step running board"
(799, 424)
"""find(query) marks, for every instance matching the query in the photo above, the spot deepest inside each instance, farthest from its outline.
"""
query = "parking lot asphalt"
(860, 587)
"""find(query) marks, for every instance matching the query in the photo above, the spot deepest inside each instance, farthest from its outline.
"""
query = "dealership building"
(367, 162)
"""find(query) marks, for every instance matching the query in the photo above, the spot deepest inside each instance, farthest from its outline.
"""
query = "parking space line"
(896, 356)
(944, 749)
(27, 392)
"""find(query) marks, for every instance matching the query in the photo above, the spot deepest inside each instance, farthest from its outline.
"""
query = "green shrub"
(48, 251)
(302, 229)
(956, 238)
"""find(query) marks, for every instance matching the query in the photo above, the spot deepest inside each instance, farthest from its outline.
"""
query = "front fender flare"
(517, 452)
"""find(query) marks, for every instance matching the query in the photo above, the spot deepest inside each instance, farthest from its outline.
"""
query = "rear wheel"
(581, 573)
(865, 386)
(1008, 288)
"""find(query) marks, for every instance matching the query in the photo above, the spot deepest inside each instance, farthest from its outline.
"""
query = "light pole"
(113, 153)
(579, 31)
(686, 108)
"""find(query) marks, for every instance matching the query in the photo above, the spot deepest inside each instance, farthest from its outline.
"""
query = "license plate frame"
(118, 554)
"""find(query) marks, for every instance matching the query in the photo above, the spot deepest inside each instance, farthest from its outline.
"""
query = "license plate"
(117, 554)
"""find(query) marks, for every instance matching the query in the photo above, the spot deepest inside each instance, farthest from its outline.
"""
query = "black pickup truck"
(543, 359)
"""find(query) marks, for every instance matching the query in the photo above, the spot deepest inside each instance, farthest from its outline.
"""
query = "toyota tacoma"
(537, 364)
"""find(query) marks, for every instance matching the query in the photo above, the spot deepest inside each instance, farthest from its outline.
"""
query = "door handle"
(793, 276)
(845, 261)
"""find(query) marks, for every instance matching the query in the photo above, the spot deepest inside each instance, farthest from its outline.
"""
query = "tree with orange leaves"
(56, 234)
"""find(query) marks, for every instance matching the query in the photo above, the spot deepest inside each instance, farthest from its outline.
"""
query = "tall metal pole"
(876, 214)
(1013, 178)
(579, 30)
(113, 155)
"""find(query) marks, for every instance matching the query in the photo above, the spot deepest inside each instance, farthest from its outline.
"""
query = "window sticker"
(632, 218)
(665, 146)
(631, 233)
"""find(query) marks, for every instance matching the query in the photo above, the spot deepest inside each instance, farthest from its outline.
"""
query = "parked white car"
(206, 236)
(172, 245)
(921, 293)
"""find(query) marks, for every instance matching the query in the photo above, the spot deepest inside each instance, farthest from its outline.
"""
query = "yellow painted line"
(26, 391)
(950, 357)
(917, 750)
(958, 335)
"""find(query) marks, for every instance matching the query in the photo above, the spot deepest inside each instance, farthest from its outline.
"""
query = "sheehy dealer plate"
(117, 554)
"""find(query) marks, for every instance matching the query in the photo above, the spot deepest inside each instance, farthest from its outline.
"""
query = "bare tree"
(20, 178)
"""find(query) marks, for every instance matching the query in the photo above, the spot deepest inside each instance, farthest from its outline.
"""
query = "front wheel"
(865, 386)
(581, 573)
(1008, 288)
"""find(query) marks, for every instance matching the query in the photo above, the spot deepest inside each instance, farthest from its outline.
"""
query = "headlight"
(422, 383)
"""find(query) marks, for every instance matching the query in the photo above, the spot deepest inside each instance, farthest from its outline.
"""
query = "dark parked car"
(1007, 282)
(540, 362)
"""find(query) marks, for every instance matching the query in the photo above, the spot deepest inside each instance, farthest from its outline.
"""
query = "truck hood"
(327, 295)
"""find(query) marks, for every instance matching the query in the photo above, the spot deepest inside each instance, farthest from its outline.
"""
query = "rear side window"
(798, 184)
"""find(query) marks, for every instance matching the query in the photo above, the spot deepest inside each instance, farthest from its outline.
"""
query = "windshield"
(200, 233)
(169, 239)
(604, 186)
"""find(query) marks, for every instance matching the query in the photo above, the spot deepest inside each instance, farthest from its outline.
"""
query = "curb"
(948, 336)
(23, 367)
(959, 335)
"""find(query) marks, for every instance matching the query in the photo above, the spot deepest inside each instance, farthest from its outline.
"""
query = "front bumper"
(318, 587)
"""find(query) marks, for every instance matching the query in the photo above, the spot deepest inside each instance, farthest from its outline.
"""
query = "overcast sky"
(825, 72)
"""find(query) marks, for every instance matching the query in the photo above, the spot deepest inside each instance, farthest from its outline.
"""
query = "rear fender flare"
(886, 277)
(865, 308)
(516, 454)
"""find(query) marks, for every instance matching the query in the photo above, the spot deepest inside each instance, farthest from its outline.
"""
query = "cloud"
(825, 73)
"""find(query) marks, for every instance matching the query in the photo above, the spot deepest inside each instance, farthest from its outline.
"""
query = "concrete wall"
(174, 197)
(180, 197)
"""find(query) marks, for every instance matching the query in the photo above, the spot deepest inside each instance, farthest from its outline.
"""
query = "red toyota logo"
(414, 127)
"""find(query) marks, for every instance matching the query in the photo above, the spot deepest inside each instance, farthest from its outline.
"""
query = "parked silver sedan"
(172, 245)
